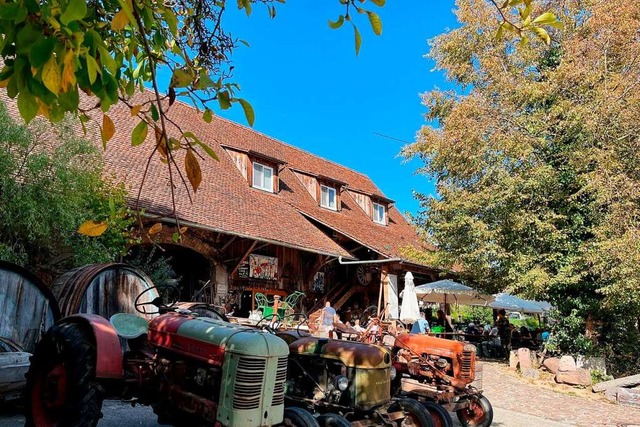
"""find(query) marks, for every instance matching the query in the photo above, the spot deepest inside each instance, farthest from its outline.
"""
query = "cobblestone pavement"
(508, 392)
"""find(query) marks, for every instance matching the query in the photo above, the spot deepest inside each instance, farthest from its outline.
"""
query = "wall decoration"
(243, 270)
(263, 267)
(318, 282)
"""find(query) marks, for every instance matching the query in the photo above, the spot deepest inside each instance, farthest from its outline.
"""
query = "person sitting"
(526, 339)
(420, 326)
(358, 327)
(492, 347)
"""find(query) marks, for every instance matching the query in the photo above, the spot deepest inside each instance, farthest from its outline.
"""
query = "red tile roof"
(225, 202)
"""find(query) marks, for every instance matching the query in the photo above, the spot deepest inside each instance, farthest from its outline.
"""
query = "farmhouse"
(267, 217)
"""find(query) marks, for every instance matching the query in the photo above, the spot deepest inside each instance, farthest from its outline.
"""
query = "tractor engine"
(216, 371)
(436, 361)
(338, 374)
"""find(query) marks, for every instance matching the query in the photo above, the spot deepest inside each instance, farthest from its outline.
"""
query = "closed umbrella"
(409, 311)
(449, 292)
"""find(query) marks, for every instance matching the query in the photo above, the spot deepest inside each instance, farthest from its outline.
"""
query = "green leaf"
(27, 105)
(139, 133)
(246, 5)
(379, 3)
(181, 78)
(208, 150)
(176, 237)
(224, 100)
(337, 24)
(154, 112)
(207, 116)
(107, 60)
(244, 42)
(75, 11)
(41, 51)
(92, 68)
(171, 20)
(376, 23)
(358, 39)
(248, 111)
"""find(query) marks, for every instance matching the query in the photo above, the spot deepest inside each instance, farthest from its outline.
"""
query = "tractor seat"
(129, 326)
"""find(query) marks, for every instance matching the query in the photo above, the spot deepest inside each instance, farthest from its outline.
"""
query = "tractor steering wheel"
(168, 296)
(269, 323)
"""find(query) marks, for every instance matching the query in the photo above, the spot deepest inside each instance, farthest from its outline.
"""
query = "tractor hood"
(419, 344)
(208, 339)
(352, 354)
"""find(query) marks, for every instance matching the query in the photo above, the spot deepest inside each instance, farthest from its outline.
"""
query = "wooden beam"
(226, 245)
(244, 258)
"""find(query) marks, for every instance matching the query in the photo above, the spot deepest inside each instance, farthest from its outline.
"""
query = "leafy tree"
(50, 184)
(535, 162)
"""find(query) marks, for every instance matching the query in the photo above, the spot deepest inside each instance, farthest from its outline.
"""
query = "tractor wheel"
(416, 415)
(298, 417)
(333, 420)
(441, 417)
(478, 414)
(61, 383)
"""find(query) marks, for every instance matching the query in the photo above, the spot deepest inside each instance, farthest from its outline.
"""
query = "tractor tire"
(479, 414)
(441, 417)
(333, 420)
(416, 414)
(61, 382)
(298, 417)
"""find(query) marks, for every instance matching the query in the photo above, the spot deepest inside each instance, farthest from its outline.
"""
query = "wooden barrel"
(103, 289)
(27, 307)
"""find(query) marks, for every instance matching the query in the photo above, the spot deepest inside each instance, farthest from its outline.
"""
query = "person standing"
(326, 320)
(504, 331)
(420, 326)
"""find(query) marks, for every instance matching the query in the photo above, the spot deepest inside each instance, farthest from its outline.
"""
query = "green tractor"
(192, 370)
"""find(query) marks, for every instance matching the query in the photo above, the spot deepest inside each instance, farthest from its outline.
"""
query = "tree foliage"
(535, 159)
(50, 183)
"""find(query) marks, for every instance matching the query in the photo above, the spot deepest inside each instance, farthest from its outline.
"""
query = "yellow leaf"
(108, 128)
(51, 75)
(155, 228)
(135, 110)
(43, 109)
(4, 83)
(92, 228)
(183, 230)
(161, 142)
(194, 174)
(68, 71)
(120, 20)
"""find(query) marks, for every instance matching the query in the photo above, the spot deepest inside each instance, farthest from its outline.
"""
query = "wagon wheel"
(169, 295)
(61, 382)
(478, 414)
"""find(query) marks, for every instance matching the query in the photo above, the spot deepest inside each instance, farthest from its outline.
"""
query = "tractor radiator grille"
(281, 377)
(467, 365)
(249, 379)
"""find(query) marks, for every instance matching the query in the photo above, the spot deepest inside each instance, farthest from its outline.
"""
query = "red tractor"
(192, 370)
(440, 372)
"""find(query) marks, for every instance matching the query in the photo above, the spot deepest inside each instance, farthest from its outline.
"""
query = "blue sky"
(310, 90)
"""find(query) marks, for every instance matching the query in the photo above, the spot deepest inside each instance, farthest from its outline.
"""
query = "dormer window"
(379, 214)
(262, 177)
(328, 197)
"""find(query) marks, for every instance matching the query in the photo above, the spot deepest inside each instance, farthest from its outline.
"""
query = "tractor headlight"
(342, 382)
(392, 372)
(469, 347)
(441, 363)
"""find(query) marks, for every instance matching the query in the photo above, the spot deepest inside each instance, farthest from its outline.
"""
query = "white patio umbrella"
(512, 302)
(450, 292)
(409, 311)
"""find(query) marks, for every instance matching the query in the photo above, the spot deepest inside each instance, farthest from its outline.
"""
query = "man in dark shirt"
(504, 331)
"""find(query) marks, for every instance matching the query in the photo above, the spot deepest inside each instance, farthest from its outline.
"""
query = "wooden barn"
(268, 217)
